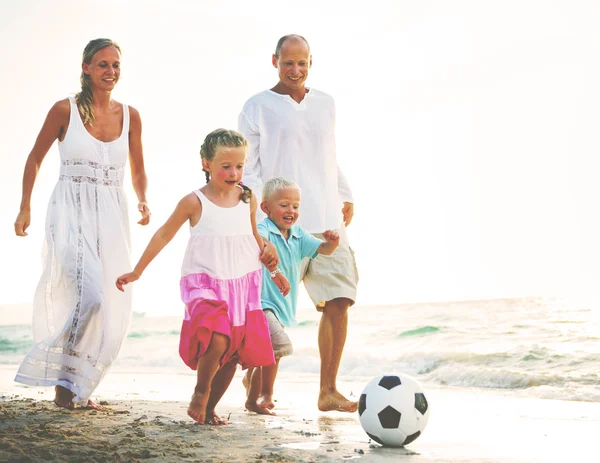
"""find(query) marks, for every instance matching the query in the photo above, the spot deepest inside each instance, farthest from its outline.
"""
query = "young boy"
(281, 204)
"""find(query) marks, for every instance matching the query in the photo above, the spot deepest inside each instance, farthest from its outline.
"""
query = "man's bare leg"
(208, 365)
(332, 338)
(220, 383)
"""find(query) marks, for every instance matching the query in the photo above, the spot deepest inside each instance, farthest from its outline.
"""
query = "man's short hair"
(282, 40)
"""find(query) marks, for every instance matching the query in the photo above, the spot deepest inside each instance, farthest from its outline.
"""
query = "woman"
(79, 318)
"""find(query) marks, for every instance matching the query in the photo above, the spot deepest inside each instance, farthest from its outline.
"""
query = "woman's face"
(104, 69)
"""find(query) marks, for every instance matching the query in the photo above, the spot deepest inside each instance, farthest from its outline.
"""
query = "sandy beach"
(465, 426)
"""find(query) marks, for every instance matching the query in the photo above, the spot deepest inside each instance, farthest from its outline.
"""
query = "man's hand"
(269, 257)
(282, 283)
(348, 212)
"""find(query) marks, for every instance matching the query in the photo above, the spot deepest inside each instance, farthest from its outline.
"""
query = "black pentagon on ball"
(375, 438)
(388, 382)
(421, 403)
(362, 404)
(389, 418)
(411, 438)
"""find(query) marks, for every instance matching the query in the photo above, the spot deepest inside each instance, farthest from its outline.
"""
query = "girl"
(221, 275)
(79, 318)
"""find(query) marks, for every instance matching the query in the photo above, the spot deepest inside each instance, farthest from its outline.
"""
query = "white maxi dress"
(80, 319)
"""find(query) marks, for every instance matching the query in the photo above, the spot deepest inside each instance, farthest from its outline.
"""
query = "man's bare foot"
(94, 406)
(334, 401)
(64, 398)
(214, 419)
(266, 401)
(252, 406)
(197, 408)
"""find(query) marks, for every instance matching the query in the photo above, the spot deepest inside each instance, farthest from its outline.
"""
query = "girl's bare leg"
(220, 383)
(208, 365)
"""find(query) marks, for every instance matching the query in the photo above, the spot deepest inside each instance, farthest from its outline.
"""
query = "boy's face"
(283, 208)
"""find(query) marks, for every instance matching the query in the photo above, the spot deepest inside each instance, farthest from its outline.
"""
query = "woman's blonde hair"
(84, 98)
(227, 139)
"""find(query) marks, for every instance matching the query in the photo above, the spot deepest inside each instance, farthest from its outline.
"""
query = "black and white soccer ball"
(393, 410)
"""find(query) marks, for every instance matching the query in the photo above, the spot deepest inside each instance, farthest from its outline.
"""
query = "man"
(291, 132)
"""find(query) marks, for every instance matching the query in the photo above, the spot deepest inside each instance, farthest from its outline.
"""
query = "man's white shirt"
(296, 141)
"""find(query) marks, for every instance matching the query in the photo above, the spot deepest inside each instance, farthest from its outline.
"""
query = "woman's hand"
(145, 211)
(22, 222)
(126, 279)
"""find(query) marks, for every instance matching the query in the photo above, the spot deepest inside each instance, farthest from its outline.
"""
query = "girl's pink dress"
(220, 286)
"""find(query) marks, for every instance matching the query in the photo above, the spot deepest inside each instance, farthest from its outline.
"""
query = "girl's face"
(105, 68)
(227, 167)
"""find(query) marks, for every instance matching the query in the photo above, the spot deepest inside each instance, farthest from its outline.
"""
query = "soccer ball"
(393, 410)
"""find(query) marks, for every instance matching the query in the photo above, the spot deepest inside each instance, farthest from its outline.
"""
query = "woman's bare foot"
(197, 408)
(64, 398)
(253, 406)
(334, 401)
(94, 406)
(214, 419)
(266, 401)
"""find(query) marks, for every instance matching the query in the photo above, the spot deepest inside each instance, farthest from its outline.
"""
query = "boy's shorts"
(330, 277)
(280, 341)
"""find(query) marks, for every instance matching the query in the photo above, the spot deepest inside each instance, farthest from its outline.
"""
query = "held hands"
(126, 279)
(22, 222)
(332, 237)
(145, 211)
(282, 283)
(269, 257)
(348, 212)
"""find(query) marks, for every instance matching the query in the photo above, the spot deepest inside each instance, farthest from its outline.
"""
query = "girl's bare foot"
(64, 398)
(253, 406)
(334, 401)
(266, 401)
(214, 419)
(197, 408)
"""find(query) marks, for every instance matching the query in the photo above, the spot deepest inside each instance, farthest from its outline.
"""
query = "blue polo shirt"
(299, 245)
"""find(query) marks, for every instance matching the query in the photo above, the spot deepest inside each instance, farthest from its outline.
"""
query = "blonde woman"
(79, 318)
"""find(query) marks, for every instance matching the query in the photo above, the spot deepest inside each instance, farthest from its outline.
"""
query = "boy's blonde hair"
(275, 184)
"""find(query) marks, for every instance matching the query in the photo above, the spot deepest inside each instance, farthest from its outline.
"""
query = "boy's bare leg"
(253, 392)
(246, 380)
(332, 337)
(220, 383)
(268, 382)
(208, 365)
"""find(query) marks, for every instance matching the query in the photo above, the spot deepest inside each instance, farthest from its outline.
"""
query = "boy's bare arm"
(332, 241)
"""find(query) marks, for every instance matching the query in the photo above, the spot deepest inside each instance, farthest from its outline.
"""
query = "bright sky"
(468, 130)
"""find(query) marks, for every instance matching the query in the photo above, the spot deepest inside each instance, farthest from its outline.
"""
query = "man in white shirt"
(291, 129)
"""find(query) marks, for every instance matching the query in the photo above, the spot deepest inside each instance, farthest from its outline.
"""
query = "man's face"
(293, 63)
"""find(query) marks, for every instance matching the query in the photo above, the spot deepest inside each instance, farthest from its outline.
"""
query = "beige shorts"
(330, 277)
(282, 345)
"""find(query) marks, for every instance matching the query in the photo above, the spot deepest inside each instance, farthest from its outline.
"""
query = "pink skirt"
(231, 308)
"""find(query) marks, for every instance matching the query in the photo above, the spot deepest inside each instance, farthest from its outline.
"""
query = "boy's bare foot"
(197, 407)
(252, 406)
(214, 419)
(64, 398)
(266, 401)
(334, 401)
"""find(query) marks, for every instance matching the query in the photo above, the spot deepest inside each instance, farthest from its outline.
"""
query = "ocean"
(528, 347)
